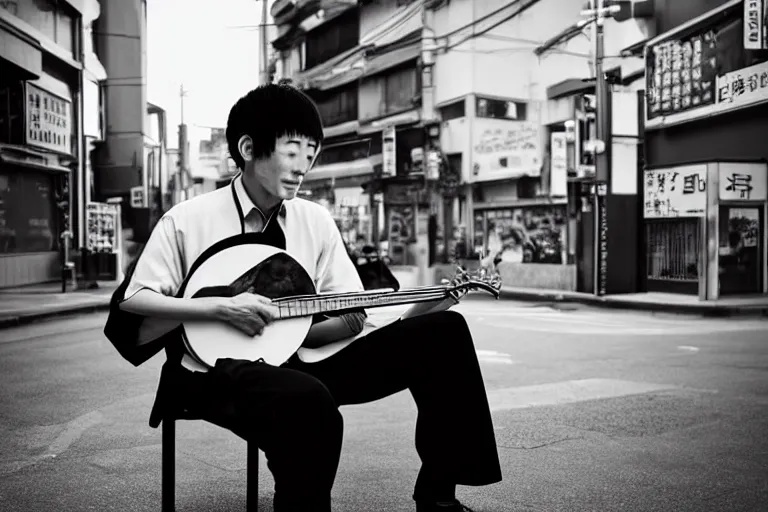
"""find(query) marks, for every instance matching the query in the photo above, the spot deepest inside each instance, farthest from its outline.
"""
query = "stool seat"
(169, 464)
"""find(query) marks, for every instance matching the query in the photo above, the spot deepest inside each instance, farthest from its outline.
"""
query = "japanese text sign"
(743, 182)
(675, 192)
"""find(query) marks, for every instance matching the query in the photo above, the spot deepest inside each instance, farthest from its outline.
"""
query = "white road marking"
(558, 393)
(688, 348)
(491, 356)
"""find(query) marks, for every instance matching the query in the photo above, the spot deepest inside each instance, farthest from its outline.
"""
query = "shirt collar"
(245, 200)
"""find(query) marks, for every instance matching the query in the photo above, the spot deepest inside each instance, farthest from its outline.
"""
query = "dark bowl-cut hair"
(269, 112)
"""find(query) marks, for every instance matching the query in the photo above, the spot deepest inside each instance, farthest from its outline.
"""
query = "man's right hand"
(247, 312)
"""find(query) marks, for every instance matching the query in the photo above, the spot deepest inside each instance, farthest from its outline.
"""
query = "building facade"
(515, 89)
(49, 82)
(362, 63)
(705, 126)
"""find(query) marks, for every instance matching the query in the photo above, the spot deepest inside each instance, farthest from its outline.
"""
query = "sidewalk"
(19, 306)
(29, 303)
(651, 301)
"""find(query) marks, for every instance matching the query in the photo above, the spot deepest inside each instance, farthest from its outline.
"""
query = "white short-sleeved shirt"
(190, 227)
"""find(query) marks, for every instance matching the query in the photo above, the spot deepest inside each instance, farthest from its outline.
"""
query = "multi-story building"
(361, 63)
(705, 124)
(515, 88)
(49, 119)
(121, 163)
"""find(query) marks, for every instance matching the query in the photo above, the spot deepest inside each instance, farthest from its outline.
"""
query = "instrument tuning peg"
(445, 281)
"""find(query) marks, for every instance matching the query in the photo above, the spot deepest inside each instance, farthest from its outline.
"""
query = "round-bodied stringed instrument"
(273, 273)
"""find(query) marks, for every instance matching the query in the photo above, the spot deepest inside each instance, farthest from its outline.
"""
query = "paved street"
(595, 410)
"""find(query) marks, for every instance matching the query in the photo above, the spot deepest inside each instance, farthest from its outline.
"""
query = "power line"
(527, 4)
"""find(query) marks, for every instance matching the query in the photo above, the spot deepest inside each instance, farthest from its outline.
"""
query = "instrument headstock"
(481, 279)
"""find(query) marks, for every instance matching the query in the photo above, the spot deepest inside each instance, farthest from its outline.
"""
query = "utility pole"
(182, 94)
(597, 13)
(264, 42)
(183, 146)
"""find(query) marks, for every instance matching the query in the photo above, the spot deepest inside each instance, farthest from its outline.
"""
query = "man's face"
(291, 160)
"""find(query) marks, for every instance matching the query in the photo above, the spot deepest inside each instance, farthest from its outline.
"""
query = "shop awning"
(24, 157)
(349, 169)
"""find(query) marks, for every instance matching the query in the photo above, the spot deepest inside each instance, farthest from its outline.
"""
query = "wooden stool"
(169, 467)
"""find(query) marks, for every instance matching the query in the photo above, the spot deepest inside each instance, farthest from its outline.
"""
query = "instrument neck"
(308, 305)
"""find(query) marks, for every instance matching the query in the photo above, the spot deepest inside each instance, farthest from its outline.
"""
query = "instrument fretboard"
(308, 305)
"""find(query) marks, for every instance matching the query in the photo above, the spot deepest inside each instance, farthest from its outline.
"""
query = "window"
(27, 212)
(453, 110)
(337, 106)
(332, 38)
(349, 151)
(65, 29)
(55, 20)
(12, 112)
(400, 90)
(500, 109)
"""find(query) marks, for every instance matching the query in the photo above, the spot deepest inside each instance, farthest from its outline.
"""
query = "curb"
(24, 319)
(707, 310)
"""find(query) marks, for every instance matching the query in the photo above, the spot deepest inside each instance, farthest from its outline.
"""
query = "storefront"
(704, 185)
(705, 229)
(35, 168)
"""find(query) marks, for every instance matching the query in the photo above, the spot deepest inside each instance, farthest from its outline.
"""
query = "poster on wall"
(48, 120)
(504, 149)
(532, 234)
(743, 182)
(675, 192)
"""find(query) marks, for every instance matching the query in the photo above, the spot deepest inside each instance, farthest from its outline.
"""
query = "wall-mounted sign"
(504, 149)
(743, 181)
(745, 86)
(692, 74)
(675, 192)
(137, 197)
(388, 152)
(49, 120)
(755, 21)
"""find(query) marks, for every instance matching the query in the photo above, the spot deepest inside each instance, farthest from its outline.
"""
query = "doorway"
(741, 233)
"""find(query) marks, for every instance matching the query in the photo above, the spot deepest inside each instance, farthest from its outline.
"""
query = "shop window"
(12, 112)
(28, 216)
(532, 234)
(673, 248)
(500, 109)
(453, 110)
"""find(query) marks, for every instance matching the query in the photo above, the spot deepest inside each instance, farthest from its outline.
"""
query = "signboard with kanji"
(675, 192)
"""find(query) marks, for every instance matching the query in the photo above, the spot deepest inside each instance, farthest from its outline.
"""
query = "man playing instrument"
(291, 412)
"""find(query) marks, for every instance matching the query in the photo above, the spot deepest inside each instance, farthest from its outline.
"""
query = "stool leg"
(169, 465)
(252, 478)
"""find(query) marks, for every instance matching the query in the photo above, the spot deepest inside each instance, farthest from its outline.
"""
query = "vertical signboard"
(388, 153)
(558, 173)
(49, 120)
(755, 13)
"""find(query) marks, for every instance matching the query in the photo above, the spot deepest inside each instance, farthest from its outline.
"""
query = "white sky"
(190, 41)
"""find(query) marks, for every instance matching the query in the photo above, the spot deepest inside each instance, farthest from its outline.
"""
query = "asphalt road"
(595, 410)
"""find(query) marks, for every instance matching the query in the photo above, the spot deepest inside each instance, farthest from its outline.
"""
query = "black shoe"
(454, 506)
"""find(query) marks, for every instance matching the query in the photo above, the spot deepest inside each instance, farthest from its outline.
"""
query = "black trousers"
(292, 411)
